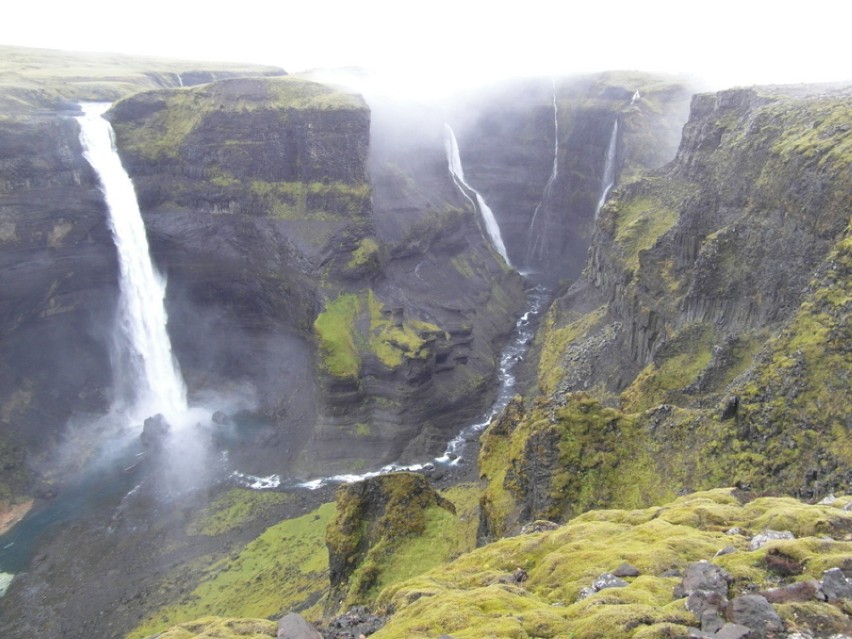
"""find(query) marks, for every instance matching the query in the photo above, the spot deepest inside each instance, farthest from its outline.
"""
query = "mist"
(438, 48)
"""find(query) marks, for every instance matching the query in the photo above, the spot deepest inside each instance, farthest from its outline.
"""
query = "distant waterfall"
(455, 165)
(608, 180)
(535, 239)
(147, 375)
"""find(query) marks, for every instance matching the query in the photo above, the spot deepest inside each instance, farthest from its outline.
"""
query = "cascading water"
(608, 180)
(455, 165)
(534, 237)
(147, 375)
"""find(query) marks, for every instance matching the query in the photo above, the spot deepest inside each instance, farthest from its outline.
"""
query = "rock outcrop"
(704, 342)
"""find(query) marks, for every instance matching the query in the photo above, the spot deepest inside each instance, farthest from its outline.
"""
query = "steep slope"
(713, 313)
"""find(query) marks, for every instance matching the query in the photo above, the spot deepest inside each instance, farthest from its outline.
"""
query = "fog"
(436, 47)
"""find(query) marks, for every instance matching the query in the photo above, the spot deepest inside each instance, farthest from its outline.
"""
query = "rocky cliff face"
(57, 286)
(539, 151)
(711, 313)
(259, 201)
(58, 276)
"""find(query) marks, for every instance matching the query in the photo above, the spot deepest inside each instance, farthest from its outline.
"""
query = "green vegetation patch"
(676, 365)
(639, 222)
(353, 326)
(285, 568)
(222, 628)
(234, 508)
(335, 329)
(556, 343)
(387, 529)
(473, 596)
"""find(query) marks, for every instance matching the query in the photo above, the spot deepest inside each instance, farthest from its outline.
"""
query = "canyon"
(338, 302)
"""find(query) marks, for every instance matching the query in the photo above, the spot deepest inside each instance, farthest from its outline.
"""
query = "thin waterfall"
(608, 180)
(147, 375)
(455, 165)
(534, 240)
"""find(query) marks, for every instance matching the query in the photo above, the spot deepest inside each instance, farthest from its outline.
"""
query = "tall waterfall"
(534, 238)
(608, 180)
(455, 165)
(148, 380)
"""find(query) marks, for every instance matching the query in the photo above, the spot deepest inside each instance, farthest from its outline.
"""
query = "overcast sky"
(452, 42)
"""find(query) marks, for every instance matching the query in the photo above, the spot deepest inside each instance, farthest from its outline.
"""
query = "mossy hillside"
(285, 568)
(794, 403)
(222, 628)
(552, 461)
(471, 596)
(45, 77)
(554, 337)
(390, 528)
(163, 120)
(233, 509)
(357, 325)
(682, 359)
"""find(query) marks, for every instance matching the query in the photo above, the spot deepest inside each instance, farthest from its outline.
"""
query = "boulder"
(836, 585)
(755, 612)
(626, 570)
(761, 539)
(733, 631)
(294, 626)
(608, 580)
(703, 575)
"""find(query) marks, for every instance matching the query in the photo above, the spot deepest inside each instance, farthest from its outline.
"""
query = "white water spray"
(534, 239)
(608, 180)
(455, 165)
(148, 375)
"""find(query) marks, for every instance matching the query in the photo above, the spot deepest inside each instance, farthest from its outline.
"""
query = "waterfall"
(147, 375)
(635, 97)
(608, 180)
(534, 240)
(455, 165)
(179, 79)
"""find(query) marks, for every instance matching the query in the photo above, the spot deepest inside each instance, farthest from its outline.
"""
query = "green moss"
(233, 509)
(365, 254)
(556, 343)
(468, 597)
(222, 628)
(356, 326)
(387, 529)
(285, 568)
(676, 365)
(335, 330)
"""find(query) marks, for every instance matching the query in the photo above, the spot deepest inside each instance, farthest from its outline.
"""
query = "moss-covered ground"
(471, 597)
(284, 569)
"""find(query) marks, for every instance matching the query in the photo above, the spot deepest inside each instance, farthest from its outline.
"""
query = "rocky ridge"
(703, 344)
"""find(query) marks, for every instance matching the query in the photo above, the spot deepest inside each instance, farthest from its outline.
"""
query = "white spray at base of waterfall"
(608, 180)
(148, 378)
(454, 162)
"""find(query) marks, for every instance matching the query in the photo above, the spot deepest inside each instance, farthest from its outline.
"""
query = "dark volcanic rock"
(757, 614)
